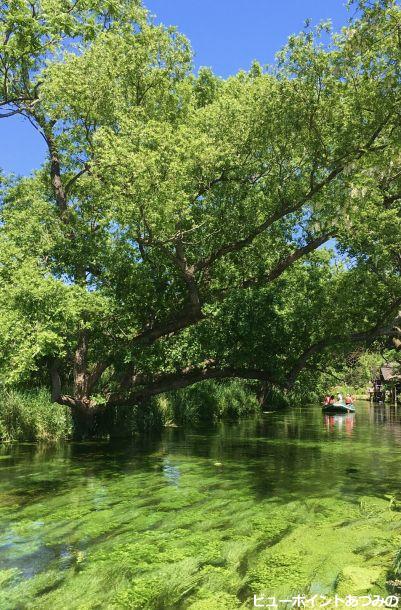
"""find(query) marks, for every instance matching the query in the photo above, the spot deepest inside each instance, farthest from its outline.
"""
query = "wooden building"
(386, 383)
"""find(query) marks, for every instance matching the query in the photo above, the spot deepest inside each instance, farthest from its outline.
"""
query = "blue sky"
(225, 35)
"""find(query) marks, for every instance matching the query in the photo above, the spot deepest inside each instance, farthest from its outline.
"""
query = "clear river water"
(293, 502)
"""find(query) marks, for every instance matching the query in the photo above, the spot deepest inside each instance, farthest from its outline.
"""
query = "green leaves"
(169, 217)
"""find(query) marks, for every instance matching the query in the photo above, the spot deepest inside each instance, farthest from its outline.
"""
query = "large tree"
(174, 232)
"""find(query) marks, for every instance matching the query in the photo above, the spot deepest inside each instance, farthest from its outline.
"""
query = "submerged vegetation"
(203, 520)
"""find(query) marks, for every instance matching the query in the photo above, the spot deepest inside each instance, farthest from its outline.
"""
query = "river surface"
(294, 502)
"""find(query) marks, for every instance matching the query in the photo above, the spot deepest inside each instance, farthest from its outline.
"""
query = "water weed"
(161, 528)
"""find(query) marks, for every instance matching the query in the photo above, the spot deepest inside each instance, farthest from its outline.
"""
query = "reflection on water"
(333, 422)
(202, 519)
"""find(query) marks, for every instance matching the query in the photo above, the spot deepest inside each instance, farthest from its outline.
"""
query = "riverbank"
(31, 416)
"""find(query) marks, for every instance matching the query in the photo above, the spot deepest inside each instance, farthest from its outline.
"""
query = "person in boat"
(348, 399)
(339, 397)
(332, 400)
(327, 400)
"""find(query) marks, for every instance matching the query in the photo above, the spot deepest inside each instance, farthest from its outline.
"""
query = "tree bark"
(55, 170)
(81, 376)
(144, 387)
(168, 382)
(55, 381)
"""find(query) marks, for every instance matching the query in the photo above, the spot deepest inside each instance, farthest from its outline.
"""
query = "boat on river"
(338, 407)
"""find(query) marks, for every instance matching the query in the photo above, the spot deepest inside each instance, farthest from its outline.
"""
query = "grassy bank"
(30, 415)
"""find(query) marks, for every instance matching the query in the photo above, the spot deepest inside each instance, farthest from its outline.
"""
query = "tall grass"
(31, 416)
(210, 401)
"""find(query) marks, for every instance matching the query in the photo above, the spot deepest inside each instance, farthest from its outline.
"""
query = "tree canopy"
(182, 225)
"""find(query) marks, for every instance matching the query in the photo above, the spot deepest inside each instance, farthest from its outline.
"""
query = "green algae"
(318, 554)
(158, 526)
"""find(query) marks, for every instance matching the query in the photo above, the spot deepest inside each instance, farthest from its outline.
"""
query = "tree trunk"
(81, 376)
(86, 419)
(263, 394)
(55, 380)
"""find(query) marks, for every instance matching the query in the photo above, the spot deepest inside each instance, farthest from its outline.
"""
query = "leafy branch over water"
(174, 233)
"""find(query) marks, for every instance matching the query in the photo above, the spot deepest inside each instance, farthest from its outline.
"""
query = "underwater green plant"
(156, 525)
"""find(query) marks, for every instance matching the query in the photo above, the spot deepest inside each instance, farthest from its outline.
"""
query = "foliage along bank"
(175, 232)
(32, 416)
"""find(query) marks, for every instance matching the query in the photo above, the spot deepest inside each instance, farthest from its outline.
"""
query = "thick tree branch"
(278, 215)
(96, 373)
(188, 317)
(188, 275)
(55, 168)
(181, 379)
(194, 314)
(284, 263)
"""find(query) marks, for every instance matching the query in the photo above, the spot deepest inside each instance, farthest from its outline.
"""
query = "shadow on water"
(216, 505)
